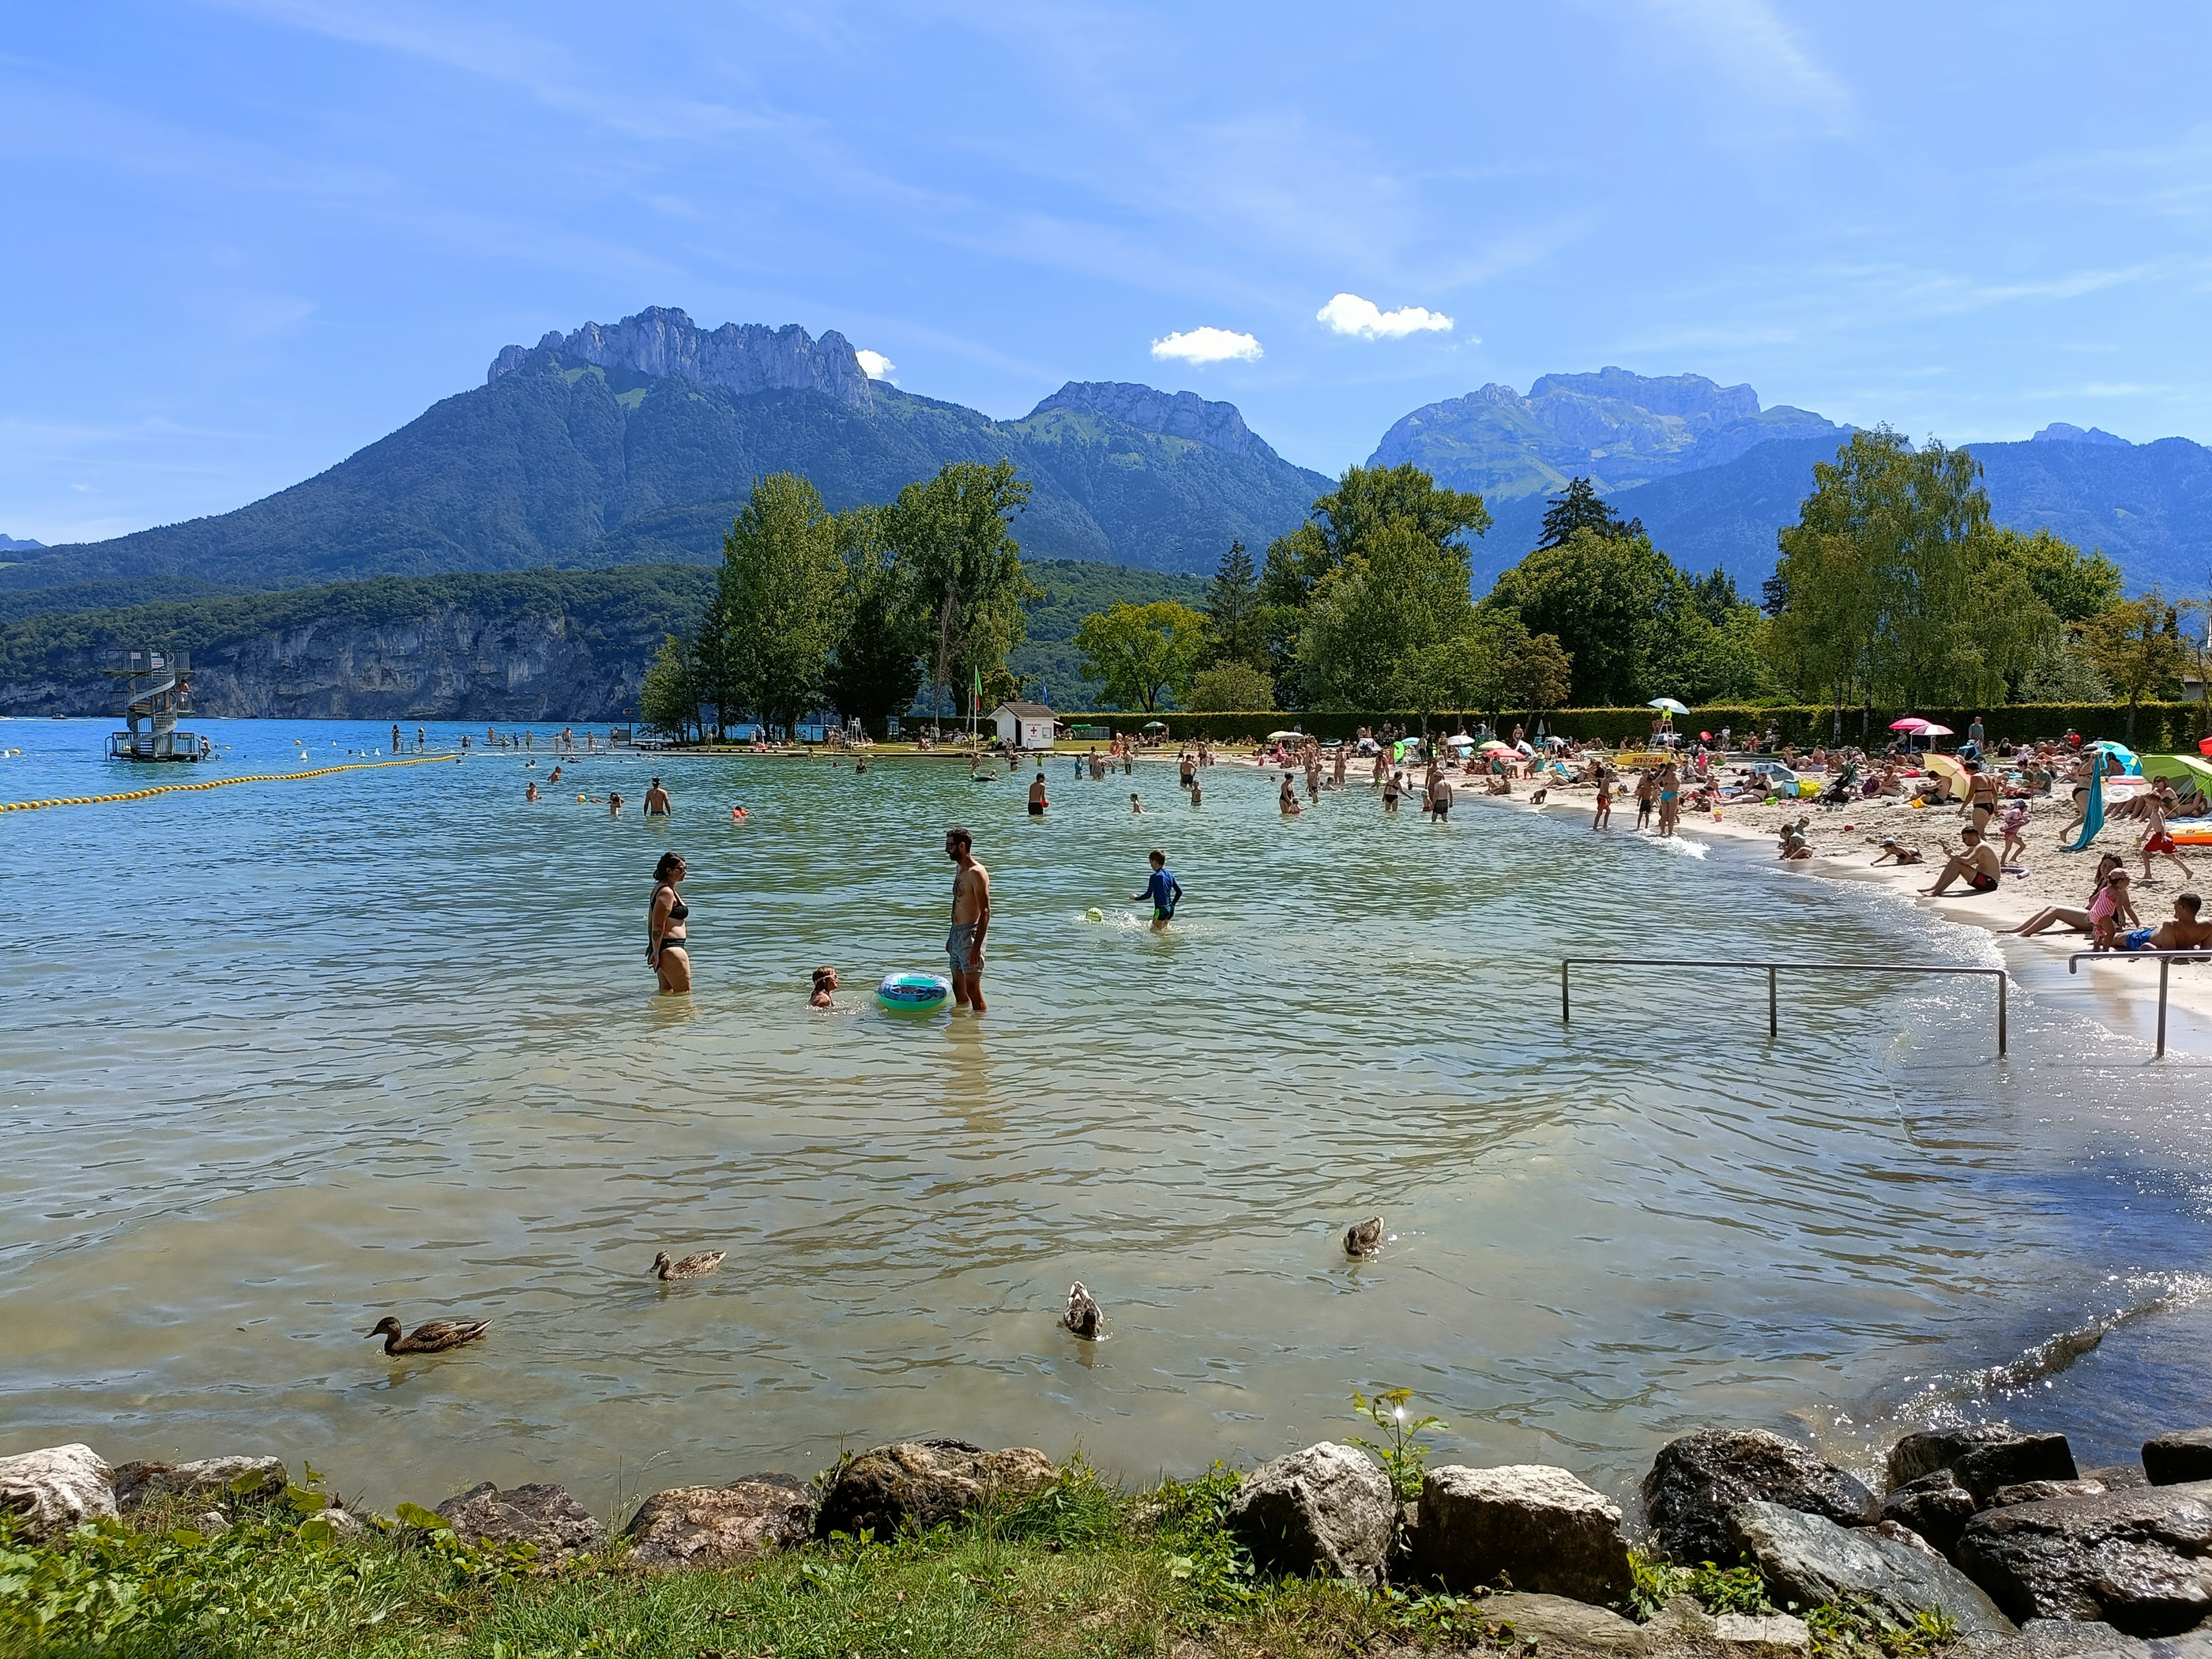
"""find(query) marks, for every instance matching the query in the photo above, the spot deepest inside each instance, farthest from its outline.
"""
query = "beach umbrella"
(2112, 748)
(1929, 729)
(1283, 737)
(1948, 767)
(1669, 705)
(1910, 723)
(1155, 725)
(1494, 743)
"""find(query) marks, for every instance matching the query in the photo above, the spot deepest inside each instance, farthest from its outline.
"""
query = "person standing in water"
(395, 740)
(971, 919)
(666, 947)
(1163, 890)
(1037, 802)
(657, 804)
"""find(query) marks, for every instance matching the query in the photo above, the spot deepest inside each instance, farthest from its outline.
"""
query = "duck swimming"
(1083, 1316)
(432, 1336)
(1363, 1237)
(692, 1267)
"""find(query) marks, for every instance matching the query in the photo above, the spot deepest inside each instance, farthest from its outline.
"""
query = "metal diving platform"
(152, 687)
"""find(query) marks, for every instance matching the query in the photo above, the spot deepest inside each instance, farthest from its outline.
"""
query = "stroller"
(1838, 794)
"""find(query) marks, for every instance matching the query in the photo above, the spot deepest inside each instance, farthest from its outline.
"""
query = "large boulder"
(1982, 1457)
(1697, 1480)
(1924, 1451)
(920, 1483)
(1327, 1511)
(2140, 1561)
(2172, 1459)
(720, 1526)
(205, 1477)
(1528, 1525)
(54, 1489)
(1935, 1506)
(1809, 1559)
(541, 1515)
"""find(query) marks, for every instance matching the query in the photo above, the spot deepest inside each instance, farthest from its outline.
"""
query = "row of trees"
(855, 610)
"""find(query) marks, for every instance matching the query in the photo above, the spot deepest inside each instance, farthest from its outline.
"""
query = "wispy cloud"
(1347, 313)
(1208, 345)
(1757, 50)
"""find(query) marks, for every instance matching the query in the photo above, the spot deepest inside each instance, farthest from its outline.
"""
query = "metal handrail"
(2165, 960)
(1774, 969)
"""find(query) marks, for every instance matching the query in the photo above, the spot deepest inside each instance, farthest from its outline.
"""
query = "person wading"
(971, 919)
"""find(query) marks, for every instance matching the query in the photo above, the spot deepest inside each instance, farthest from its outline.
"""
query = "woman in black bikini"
(665, 947)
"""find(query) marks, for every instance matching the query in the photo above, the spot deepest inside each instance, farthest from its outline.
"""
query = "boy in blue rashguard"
(1164, 889)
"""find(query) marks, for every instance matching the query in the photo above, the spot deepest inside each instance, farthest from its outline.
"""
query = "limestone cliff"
(661, 342)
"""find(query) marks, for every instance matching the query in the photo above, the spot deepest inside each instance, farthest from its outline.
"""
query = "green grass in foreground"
(1081, 1569)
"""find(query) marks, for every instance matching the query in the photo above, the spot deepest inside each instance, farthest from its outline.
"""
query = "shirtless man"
(657, 805)
(971, 919)
(1604, 818)
(1440, 797)
(1975, 864)
(1037, 802)
(2186, 931)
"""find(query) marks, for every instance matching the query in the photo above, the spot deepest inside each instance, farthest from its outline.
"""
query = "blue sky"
(246, 238)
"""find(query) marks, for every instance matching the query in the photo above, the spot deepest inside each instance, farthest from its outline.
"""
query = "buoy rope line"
(222, 783)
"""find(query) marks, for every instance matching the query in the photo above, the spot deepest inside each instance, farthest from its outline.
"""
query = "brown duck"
(1363, 1237)
(692, 1267)
(433, 1336)
(1083, 1316)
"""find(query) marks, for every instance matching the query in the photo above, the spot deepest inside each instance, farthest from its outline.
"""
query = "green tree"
(877, 667)
(1598, 595)
(2137, 646)
(2074, 585)
(1703, 644)
(1231, 686)
(668, 698)
(1140, 651)
(1493, 664)
(1397, 594)
(1347, 523)
(1581, 508)
(1896, 587)
(1233, 627)
(953, 534)
(781, 582)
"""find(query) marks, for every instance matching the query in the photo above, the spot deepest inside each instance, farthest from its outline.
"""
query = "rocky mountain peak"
(2059, 432)
(739, 357)
(1689, 397)
(1171, 414)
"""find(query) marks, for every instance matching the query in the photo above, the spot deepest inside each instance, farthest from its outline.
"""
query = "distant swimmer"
(395, 740)
(825, 985)
(556, 777)
(1163, 890)
(418, 737)
(657, 804)
(614, 804)
(1196, 790)
(1392, 790)
(1037, 802)
(667, 946)
(971, 919)
(531, 793)
(1136, 806)
(1286, 799)
(739, 815)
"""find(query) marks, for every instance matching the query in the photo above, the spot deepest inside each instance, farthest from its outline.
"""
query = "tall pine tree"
(1233, 629)
(1582, 509)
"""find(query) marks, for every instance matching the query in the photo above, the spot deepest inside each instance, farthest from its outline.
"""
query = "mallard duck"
(433, 1336)
(692, 1267)
(1363, 1237)
(1083, 1316)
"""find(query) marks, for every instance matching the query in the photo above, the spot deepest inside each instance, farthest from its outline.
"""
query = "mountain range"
(634, 442)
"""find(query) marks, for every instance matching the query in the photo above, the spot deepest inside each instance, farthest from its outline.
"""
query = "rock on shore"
(2140, 1561)
(1530, 1525)
(1697, 1479)
(205, 1477)
(55, 1489)
(920, 1483)
(1327, 1511)
(540, 1515)
(1809, 1559)
(720, 1526)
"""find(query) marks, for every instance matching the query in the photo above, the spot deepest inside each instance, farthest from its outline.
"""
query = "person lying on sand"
(2059, 915)
(1893, 851)
(2187, 931)
(1975, 864)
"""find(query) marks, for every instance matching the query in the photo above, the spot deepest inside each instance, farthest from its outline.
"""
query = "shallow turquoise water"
(286, 1057)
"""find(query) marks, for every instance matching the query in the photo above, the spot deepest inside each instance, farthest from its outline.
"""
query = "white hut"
(1024, 724)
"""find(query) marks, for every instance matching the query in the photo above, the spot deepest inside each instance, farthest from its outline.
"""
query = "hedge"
(2157, 727)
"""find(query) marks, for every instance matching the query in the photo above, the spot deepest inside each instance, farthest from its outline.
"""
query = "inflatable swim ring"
(914, 993)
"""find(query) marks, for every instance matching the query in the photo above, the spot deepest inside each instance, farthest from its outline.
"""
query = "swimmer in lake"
(1136, 806)
(531, 793)
(667, 947)
(1286, 799)
(1037, 801)
(556, 778)
(1391, 791)
(825, 985)
(614, 804)
(1163, 890)
(971, 919)
(657, 804)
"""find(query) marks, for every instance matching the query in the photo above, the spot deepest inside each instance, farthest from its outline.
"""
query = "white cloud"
(879, 367)
(1347, 313)
(1208, 345)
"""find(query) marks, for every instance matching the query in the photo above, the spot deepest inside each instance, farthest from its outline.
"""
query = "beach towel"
(2092, 818)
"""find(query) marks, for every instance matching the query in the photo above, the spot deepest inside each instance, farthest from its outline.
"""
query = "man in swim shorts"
(2186, 931)
(1037, 802)
(657, 804)
(971, 919)
(1163, 890)
(1440, 797)
(1975, 864)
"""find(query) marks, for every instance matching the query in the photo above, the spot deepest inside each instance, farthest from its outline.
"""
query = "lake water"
(284, 1058)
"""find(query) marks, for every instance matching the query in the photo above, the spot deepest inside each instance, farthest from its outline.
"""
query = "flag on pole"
(979, 690)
